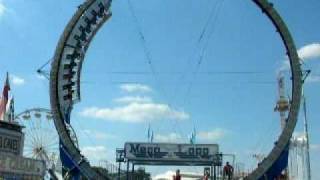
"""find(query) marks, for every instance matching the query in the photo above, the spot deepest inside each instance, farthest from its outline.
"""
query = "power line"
(178, 73)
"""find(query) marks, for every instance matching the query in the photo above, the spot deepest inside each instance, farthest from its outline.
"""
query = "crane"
(282, 105)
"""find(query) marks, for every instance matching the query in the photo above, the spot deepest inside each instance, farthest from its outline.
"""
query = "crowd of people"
(227, 173)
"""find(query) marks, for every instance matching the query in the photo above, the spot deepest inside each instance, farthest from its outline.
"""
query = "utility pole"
(119, 169)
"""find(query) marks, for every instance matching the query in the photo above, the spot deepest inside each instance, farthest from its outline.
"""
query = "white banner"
(165, 152)
(21, 165)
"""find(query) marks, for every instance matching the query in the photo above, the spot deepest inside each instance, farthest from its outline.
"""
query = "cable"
(197, 46)
(206, 24)
(178, 73)
(45, 64)
(187, 82)
(213, 15)
(148, 54)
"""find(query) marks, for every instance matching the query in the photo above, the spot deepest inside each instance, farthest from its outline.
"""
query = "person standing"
(228, 171)
(206, 176)
(177, 176)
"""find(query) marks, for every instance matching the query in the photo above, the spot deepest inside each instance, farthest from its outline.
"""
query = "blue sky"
(228, 95)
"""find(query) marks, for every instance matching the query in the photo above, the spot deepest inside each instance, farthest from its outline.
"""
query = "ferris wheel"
(41, 140)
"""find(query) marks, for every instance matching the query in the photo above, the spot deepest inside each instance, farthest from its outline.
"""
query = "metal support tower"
(306, 133)
(282, 104)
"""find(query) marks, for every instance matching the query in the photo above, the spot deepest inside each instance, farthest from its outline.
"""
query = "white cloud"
(41, 77)
(315, 147)
(168, 138)
(305, 53)
(135, 113)
(202, 136)
(298, 134)
(135, 88)
(310, 51)
(133, 99)
(285, 65)
(211, 136)
(312, 78)
(16, 80)
(95, 153)
(99, 135)
(3, 9)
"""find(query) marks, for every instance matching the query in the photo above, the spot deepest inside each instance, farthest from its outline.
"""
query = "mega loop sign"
(171, 154)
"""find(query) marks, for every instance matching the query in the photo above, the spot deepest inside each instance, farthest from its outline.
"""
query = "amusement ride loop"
(66, 71)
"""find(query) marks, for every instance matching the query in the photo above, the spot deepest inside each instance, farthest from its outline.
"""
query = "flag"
(193, 136)
(190, 139)
(149, 129)
(10, 110)
(151, 138)
(4, 98)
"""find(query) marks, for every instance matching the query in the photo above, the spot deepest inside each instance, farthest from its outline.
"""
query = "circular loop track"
(70, 53)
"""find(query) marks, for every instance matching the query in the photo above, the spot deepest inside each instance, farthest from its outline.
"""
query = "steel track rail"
(67, 65)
